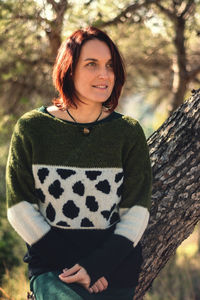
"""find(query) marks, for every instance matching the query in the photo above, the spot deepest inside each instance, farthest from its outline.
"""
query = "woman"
(79, 179)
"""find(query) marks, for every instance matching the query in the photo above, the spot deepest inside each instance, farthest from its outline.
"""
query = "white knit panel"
(133, 223)
(78, 198)
(28, 222)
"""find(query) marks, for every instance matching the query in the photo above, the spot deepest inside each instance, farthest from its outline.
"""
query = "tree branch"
(57, 6)
(132, 8)
(166, 11)
(88, 3)
(187, 8)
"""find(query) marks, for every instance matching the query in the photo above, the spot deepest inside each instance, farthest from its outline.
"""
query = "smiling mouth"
(102, 87)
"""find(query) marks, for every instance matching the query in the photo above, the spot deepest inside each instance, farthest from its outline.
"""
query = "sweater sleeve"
(22, 201)
(133, 208)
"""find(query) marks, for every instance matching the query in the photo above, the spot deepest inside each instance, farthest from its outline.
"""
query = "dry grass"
(180, 279)
(15, 284)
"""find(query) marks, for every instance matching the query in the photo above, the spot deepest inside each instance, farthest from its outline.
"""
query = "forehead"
(95, 49)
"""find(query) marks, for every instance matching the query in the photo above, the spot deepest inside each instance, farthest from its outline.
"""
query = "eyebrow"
(94, 59)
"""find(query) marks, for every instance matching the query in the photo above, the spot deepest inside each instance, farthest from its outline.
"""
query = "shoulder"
(30, 118)
(130, 125)
(30, 122)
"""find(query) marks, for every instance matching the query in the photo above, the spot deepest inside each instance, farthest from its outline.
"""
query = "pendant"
(86, 131)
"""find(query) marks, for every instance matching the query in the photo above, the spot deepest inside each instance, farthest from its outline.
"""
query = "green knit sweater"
(77, 198)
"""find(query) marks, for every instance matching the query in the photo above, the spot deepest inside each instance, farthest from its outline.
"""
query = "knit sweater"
(77, 198)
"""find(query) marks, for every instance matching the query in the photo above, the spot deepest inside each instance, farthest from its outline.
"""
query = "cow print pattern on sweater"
(78, 198)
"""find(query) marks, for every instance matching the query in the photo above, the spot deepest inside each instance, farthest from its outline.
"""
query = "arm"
(22, 201)
(134, 208)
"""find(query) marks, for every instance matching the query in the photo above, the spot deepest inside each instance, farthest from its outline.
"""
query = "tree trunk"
(54, 29)
(175, 157)
(179, 85)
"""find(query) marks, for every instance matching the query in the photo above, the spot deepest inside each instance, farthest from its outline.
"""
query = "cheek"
(113, 79)
(79, 81)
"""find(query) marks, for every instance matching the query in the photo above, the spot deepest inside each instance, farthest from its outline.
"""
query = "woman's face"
(94, 76)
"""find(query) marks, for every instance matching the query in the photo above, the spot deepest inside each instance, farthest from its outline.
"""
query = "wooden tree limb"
(187, 8)
(175, 156)
(58, 6)
(55, 26)
(129, 9)
(166, 11)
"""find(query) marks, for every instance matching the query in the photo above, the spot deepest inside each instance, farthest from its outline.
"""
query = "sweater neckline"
(113, 115)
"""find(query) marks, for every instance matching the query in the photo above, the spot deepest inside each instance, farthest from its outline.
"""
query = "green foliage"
(145, 38)
(11, 246)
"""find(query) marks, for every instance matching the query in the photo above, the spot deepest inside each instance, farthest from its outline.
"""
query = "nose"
(103, 73)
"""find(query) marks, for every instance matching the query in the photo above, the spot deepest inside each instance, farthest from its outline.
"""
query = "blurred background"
(160, 43)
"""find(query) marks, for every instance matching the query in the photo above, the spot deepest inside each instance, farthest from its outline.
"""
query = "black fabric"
(117, 260)
(106, 258)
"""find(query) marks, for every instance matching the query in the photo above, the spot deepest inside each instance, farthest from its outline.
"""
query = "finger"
(65, 269)
(72, 270)
(95, 288)
(69, 278)
(104, 282)
(100, 286)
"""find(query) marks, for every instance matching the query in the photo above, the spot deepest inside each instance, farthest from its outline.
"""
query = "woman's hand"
(100, 285)
(79, 274)
(76, 274)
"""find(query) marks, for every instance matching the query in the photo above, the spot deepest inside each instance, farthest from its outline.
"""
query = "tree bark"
(179, 86)
(54, 29)
(175, 157)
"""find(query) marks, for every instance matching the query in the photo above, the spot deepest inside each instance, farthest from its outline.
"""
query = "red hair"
(66, 61)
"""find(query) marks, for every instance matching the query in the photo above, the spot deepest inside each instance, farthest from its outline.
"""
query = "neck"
(86, 113)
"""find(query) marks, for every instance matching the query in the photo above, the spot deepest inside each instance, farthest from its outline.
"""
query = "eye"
(110, 65)
(91, 64)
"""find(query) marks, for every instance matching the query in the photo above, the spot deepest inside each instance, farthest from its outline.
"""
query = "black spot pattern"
(106, 213)
(86, 223)
(62, 223)
(91, 203)
(119, 176)
(50, 212)
(42, 174)
(78, 188)
(119, 190)
(40, 195)
(64, 174)
(70, 210)
(103, 186)
(114, 218)
(55, 189)
(92, 175)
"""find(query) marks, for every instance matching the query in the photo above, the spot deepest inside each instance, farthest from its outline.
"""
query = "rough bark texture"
(175, 156)
(55, 27)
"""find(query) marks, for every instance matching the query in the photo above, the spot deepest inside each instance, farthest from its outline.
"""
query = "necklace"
(85, 130)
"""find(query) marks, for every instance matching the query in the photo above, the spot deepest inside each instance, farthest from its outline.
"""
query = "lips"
(100, 86)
